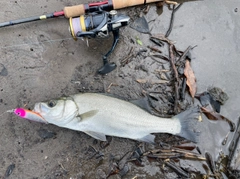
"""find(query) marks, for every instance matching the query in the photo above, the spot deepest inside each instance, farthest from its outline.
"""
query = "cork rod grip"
(74, 11)
(118, 4)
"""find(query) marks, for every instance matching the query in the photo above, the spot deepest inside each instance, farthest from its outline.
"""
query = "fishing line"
(8, 111)
(34, 43)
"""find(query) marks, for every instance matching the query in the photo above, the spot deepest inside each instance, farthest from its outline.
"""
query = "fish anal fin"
(96, 135)
(88, 114)
(148, 138)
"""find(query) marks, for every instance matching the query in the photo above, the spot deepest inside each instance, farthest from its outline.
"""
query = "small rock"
(9, 170)
(218, 94)
(45, 134)
(124, 171)
(79, 175)
(143, 68)
(3, 70)
(100, 174)
(121, 75)
(181, 70)
(163, 76)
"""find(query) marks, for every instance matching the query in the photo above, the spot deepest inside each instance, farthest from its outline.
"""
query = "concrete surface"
(40, 61)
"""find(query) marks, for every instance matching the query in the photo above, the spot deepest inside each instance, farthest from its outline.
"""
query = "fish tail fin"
(189, 122)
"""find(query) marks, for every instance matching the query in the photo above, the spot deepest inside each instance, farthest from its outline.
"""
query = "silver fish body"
(100, 115)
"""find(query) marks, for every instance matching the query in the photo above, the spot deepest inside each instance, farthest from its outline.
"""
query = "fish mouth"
(35, 114)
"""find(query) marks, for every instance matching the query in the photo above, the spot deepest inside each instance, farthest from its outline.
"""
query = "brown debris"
(162, 38)
(128, 57)
(176, 57)
(191, 79)
(154, 49)
(210, 162)
(171, 2)
(234, 143)
(109, 87)
(172, 17)
(143, 81)
(161, 57)
(212, 115)
(184, 54)
(173, 153)
(177, 169)
(146, 9)
(176, 81)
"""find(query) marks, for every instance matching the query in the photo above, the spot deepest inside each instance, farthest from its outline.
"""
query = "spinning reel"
(99, 24)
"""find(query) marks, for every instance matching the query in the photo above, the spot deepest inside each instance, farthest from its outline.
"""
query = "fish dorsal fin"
(88, 114)
(142, 103)
(96, 135)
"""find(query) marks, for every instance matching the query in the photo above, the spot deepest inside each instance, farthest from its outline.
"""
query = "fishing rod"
(92, 20)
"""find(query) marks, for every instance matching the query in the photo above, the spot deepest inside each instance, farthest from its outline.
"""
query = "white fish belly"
(116, 117)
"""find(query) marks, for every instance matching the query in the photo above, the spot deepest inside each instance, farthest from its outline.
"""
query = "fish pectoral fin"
(88, 114)
(148, 138)
(96, 135)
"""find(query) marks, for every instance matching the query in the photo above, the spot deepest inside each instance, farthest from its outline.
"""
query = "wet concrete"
(40, 61)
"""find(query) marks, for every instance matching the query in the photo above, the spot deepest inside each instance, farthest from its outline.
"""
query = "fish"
(100, 115)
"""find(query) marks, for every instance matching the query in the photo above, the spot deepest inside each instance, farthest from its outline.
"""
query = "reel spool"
(80, 25)
(99, 24)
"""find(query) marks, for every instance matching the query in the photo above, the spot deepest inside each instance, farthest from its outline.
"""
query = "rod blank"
(30, 19)
(75, 11)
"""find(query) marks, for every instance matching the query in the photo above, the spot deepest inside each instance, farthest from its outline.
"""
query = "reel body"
(98, 25)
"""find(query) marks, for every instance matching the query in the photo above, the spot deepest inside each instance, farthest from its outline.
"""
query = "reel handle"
(108, 67)
(107, 5)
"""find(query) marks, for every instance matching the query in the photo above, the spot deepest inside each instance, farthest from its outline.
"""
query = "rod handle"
(74, 11)
(119, 4)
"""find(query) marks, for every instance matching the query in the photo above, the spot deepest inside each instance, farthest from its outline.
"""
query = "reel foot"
(107, 68)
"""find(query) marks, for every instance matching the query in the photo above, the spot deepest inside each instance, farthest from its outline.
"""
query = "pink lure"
(30, 115)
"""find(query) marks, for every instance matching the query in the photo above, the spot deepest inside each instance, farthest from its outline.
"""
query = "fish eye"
(51, 104)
